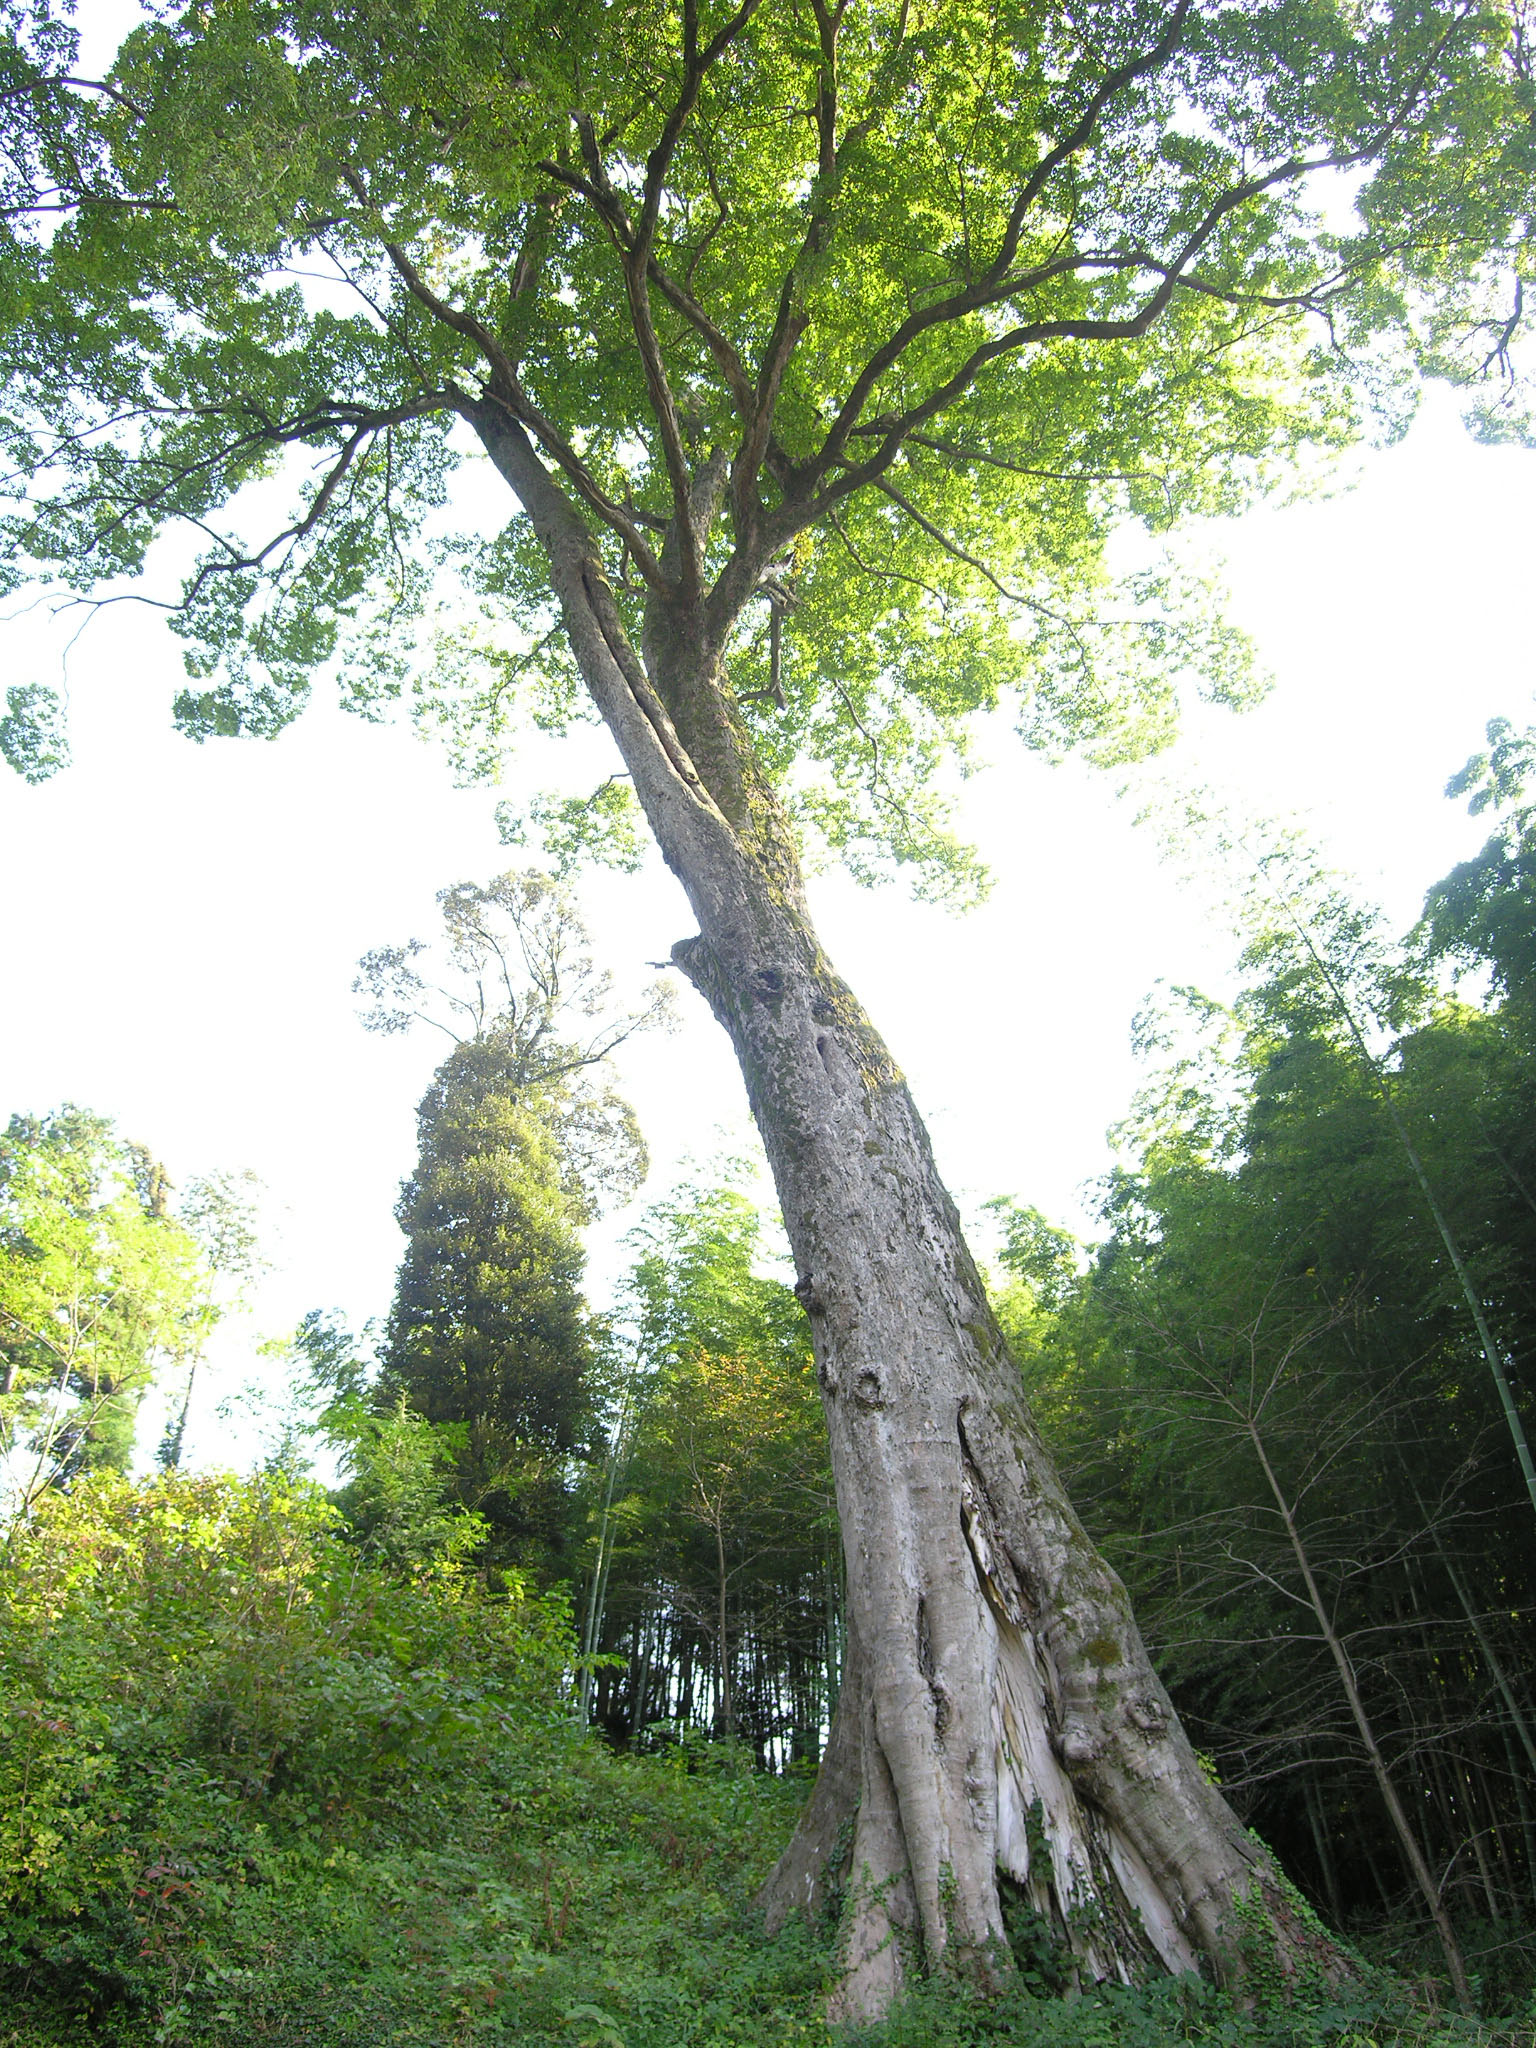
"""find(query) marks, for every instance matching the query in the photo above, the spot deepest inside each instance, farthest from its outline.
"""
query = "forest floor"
(255, 1790)
(561, 1897)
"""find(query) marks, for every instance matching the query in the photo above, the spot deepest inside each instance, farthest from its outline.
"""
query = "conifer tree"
(521, 1142)
(489, 1330)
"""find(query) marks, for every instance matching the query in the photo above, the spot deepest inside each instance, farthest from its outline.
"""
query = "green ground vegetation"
(254, 1786)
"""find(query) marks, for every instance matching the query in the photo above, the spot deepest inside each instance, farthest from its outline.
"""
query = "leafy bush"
(253, 1787)
(195, 1668)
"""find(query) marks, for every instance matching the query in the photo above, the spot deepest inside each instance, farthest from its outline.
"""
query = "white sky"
(180, 924)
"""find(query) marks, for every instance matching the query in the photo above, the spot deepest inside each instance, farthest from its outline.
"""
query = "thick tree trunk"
(999, 1715)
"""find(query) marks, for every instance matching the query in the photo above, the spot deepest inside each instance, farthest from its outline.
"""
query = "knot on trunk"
(694, 958)
(1081, 1745)
(1146, 1712)
(808, 1298)
(685, 955)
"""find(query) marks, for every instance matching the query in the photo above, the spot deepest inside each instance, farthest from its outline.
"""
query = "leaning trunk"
(999, 1717)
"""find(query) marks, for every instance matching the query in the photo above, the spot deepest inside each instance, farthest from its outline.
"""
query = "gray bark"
(1006, 1716)
(999, 1713)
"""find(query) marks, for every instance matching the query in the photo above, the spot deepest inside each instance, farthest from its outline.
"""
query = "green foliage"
(721, 1577)
(1175, 2013)
(603, 829)
(1039, 1265)
(1483, 914)
(32, 736)
(183, 1660)
(1272, 1355)
(1001, 284)
(100, 1288)
(247, 1778)
(398, 1502)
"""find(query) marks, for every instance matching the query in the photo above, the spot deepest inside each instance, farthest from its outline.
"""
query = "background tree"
(821, 352)
(721, 1581)
(101, 1288)
(488, 1328)
(522, 1141)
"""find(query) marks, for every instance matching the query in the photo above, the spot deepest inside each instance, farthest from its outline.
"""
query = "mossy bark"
(999, 1715)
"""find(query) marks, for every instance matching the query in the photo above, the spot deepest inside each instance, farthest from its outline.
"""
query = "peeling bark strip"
(999, 1714)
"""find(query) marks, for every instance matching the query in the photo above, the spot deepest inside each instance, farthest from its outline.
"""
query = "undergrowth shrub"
(255, 1789)
(196, 1670)
(1179, 2013)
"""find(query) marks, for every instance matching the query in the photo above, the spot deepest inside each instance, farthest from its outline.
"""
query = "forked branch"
(505, 388)
(996, 285)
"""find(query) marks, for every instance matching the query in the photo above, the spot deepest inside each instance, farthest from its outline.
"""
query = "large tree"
(820, 346)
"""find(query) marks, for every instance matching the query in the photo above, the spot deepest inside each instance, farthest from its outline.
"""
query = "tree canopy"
(860, 328)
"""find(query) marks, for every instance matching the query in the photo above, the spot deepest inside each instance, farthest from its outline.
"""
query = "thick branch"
(451, 316)
(720, 347)
(637, 243)
(986, 288)
(673, 793)
(505, 385)
(696, 67)
(1079, 137)
(101, 85)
